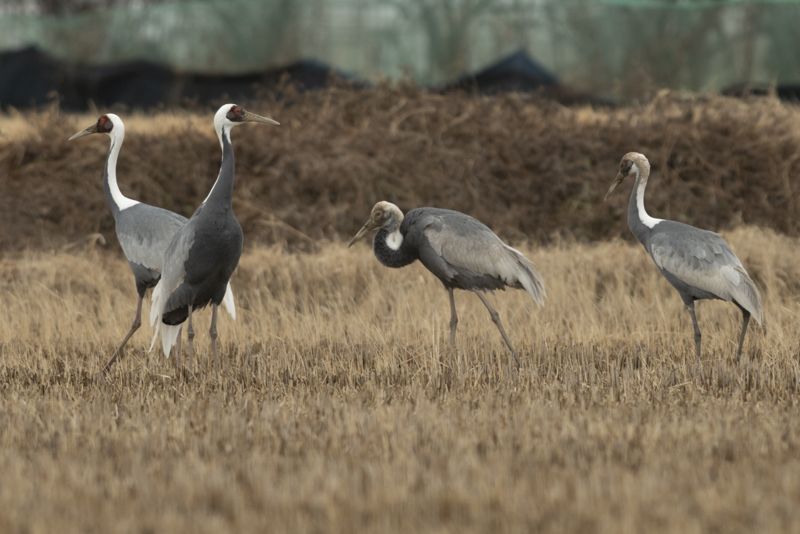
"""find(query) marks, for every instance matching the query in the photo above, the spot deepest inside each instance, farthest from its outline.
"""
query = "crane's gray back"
(145, 232)
(451, 221)
(700, 264)
(463, 252)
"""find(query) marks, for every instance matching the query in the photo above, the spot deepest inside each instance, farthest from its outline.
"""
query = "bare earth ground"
(331, 412)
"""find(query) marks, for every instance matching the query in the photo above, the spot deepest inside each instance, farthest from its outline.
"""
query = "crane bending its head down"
(462, 252)
(383, 214)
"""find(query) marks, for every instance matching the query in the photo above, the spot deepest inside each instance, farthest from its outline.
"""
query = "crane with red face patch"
(144, 231)
(203, 254)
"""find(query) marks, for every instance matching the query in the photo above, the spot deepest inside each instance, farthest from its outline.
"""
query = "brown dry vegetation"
(529, 168)
(332, 414)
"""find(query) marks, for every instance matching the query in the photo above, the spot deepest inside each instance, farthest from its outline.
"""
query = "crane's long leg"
(453, 317)
(697, 334)
(212, 332)
(178, 349)
(496, 319)
(137, 322)
(745, 322)
(190, 339)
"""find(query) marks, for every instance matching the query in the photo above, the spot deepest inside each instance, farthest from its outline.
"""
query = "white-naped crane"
(462, 252)
(143, 231)
(698, 263)
(203, 254)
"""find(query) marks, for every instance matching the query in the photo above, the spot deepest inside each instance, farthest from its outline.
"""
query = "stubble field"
(337, 406)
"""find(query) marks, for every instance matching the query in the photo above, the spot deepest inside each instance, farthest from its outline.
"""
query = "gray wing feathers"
(529, 278)
(466, 244)
(704, 260)
(145, 232)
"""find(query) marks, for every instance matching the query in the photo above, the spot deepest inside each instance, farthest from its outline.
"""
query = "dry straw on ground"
(529, 168)
(331, 413)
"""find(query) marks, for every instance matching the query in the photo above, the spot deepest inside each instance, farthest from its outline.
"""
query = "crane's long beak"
(83, 133)
(361, 233)
(618, 180)
(252, 117)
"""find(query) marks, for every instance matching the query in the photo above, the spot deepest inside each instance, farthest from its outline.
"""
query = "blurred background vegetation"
(616, 48)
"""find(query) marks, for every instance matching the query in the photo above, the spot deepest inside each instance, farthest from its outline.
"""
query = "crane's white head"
(108, 124)
(231, 115)
(631, 164)
(383, 215)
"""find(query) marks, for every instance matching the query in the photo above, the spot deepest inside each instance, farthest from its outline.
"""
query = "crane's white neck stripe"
(227, 133)
(119, 199)
(212, 188)
(394, 240)
(646, 219)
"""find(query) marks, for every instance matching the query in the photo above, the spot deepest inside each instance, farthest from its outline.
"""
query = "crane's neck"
(116, 200)
(639, 221)
(391, 248)
(221, 193)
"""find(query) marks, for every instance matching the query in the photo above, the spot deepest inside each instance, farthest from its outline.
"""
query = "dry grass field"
(339, 408)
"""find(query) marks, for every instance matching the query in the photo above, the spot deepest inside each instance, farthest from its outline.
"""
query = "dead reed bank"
(529, 168)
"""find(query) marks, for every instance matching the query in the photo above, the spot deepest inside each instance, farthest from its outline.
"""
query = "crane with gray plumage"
(143, 231)
(462, 252)
(203, 254)
(698, 263)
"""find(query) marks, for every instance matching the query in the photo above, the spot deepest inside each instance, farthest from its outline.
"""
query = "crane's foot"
(512, 370)
(699, 371)
(102, 377)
